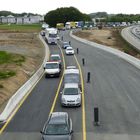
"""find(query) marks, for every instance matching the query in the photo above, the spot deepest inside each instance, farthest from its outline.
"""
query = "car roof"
(65, 42)
(67, 71)
(71, 67)
(69, 47)
(58, 118)
(50, 62)
(71, 85)
(53, 55)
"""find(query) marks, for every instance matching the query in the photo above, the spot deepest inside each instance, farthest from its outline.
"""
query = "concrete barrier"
(132, 60)
(25, 89)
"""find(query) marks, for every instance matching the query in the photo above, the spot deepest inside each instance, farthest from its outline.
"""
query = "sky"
(85, 6)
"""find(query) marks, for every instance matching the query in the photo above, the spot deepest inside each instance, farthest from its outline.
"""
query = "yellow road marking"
(60, 83)
(18, 107)
(83, 101)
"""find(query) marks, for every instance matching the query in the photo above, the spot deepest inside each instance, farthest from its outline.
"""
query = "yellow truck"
(70, 25)
(60, 26)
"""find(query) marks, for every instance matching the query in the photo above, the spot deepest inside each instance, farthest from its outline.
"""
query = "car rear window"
(57, 129)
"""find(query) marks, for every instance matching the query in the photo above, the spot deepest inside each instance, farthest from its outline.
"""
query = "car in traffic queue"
(55, 58)
(52, 69)
(57, 127)
(65, 45)
(69, 51)
(72, 75)
(71, 95)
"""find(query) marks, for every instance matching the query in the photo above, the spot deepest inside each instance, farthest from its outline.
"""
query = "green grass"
(6, 74)
(21, 28)
(1, 86)
(11, 58)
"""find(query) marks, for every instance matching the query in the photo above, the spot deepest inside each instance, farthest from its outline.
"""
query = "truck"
(51, 35)
(79, 24)
(60, 26)
(70, 25)
(52, 69)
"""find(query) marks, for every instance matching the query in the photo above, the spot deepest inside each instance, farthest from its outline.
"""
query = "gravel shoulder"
(110, 37)
(27, 45)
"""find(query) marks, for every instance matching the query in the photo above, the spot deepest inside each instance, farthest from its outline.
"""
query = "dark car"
(58, 127)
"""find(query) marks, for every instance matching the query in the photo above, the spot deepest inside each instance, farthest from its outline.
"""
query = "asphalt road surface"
(114, 88)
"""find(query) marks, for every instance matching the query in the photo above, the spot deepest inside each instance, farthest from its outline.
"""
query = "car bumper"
(52, 74)
(70, 104)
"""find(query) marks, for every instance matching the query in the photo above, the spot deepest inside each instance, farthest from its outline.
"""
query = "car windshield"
(53, 35)
(69, 49)
(66, 46)
(71, 78)
(54, 58)
(51, 66)
(65, 43)
(57, 129)
(71, 91)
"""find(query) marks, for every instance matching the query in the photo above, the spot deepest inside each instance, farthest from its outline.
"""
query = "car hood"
(57, 137)
(71, 97)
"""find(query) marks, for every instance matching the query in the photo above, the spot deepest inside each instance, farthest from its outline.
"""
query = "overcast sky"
(85, 6)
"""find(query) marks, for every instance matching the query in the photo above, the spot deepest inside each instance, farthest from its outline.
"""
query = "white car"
(52, 69)
(55, 58)
(69, 51)
(71, 95)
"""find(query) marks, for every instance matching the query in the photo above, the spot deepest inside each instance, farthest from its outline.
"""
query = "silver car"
(58, 127)
(71, 95)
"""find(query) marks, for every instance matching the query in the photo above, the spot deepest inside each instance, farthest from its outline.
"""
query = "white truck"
(52, 69)
(51, 35)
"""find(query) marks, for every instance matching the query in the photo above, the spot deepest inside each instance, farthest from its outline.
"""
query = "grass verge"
(11, 58)
(21, 28)
(123, 44)
(7, 74)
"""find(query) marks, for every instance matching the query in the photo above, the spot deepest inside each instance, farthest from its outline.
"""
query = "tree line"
(65, 14)
(7, 13)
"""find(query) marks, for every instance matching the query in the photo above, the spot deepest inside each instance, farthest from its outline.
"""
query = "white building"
(21, 20)
(11, 19)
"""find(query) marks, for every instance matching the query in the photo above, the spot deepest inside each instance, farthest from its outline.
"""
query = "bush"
(6, 74)
(1, 86)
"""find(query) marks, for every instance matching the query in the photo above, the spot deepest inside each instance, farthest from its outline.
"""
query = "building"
(21, 20)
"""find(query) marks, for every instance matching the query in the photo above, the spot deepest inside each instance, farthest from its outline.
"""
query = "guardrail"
(26, 88)
(132, 60)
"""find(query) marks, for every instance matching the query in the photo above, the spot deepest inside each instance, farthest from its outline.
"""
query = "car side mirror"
(41, 132)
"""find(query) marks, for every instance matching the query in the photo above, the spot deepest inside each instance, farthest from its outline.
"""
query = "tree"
(63, 15)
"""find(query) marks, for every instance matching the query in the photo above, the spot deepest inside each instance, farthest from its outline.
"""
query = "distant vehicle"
(55, 58)
(79, 24)
(58, 37)
(57, 127)
(51, 35)
(70, 25)
(71, 95)
(42, 33)
(71, 75)
(65, 45)
(69, 51)
(60, 26)
(45, 26)
(52, 69)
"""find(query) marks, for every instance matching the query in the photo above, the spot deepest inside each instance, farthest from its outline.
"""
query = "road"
(132, 35)
(114, 89)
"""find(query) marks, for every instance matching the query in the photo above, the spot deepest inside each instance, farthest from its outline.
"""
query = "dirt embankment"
(27, 45)
(110, 38)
